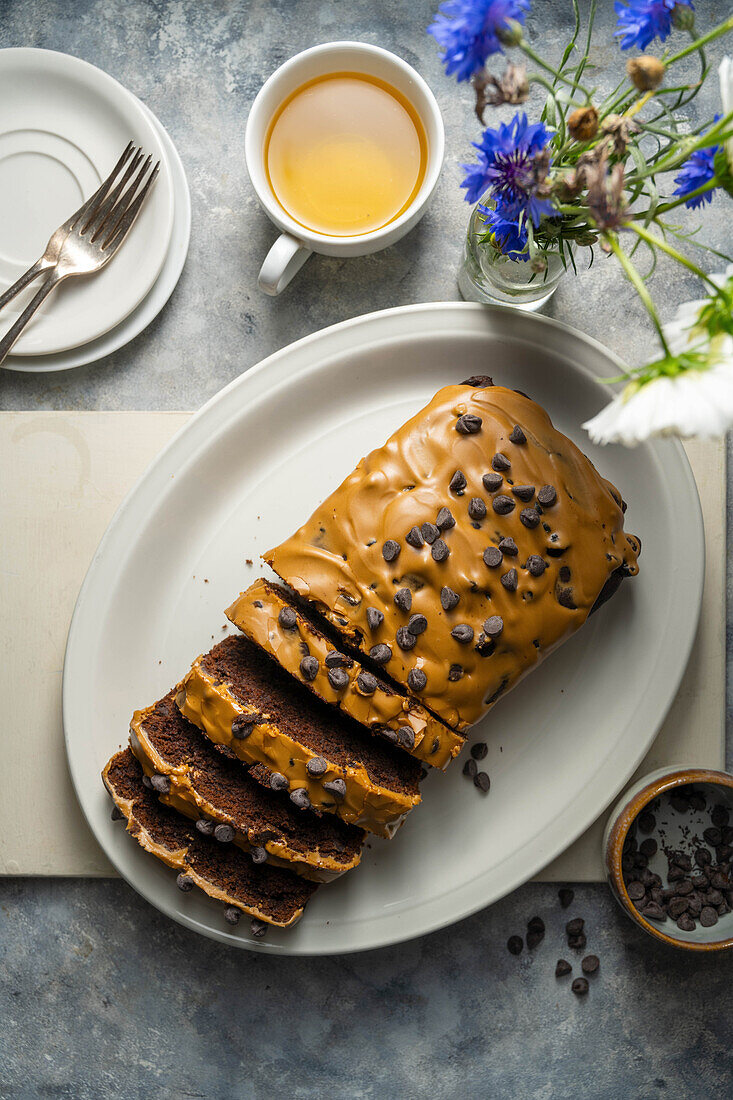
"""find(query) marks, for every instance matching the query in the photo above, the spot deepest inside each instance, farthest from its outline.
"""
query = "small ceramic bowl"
(718, 788)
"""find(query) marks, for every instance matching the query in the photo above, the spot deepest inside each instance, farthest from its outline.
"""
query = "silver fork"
(89, 238)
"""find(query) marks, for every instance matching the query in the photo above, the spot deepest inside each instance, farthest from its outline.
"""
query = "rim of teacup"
(652, 786)
(424, 102)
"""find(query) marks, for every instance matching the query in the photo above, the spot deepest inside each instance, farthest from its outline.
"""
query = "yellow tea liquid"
(345, 154)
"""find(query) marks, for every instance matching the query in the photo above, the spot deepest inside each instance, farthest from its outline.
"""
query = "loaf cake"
(464, 550)
(276, 621)
(222, 871)
(240, 698)
(192, 777)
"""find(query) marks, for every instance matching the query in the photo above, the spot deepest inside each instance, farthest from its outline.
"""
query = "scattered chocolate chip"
(403, 599)
(530, 517)
(299, 796)
(380, 653)
(479, 750)
(116, 814)
(580, 987)
(224, 833)
(536, 565)
(206, 828)
(287, 618)
(429, 532)
(575, 926)
(257, 928)
(439, 550)
(455, 672)
(406, 737)
(242, 726)
(590, 964)
(445, 520)
(316, 765)
(562, 968)
(416, 679)
(477, 508)
(458, 483)
(374, 617)
(493, 556)
(309, 668)
(232, 914)
(390, 550)
(493, 626)
(417, 624)
(462, 633)
(514, 945)
(492, 481)
(483, 782)
(508, 547)
(258, 854)
(510, 580)
(566, 896)
(577, 943)
(160, 783)
(336, 787)
(500, 462)
(184, 882)
(405, 639)
(523, 492)
(470, 768)
(517, 435)
(366, 683)
(468, 424)
(502, 505)
(414, 538)
(279, 782)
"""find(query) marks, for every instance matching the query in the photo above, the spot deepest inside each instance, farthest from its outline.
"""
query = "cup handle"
(282, 262)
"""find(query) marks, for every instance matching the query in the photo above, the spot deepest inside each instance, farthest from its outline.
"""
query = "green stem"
(638, 284)
(672, 205)
(529, 52)
(722, 28)
(658, 242)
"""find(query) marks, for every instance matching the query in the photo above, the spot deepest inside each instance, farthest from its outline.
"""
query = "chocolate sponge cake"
(222, 871)
(192, 777)
(277, 622)
(239, 697)
(464, 550)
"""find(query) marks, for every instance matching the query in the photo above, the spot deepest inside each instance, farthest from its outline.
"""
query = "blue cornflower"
(506, 166)
(509, 229)
(641, 21)
(468, 31)
(695, 172)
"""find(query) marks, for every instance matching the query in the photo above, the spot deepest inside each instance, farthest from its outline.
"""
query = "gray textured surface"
(99, 994)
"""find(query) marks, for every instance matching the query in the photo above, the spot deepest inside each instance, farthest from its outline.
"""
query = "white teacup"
(295, 243)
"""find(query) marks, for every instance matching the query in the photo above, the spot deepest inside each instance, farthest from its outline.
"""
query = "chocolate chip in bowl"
(668, 851)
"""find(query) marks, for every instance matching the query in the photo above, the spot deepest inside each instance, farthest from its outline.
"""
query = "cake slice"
(483, 521)
(275, 620)
(222, 871)
(198, 781)
(242, 699)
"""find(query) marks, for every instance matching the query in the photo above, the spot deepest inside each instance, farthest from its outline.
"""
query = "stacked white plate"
(63, 125)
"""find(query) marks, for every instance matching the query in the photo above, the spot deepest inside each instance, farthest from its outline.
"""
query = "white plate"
(63, 125)
(250, 467)
(153, 302)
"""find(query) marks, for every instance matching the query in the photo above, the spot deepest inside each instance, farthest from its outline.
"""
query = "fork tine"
(97, 217)
(109, 226)
(123, 226)
(91, 204)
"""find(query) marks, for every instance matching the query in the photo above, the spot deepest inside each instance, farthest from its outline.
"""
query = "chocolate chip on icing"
(564, 597)
(375, 618)
(440, 550)
(458, 483)
(547, 496)
(455, 672)
(508, 547)
(493, 556)
(232, 914)
(414, 538)
(500, 462)
(380, 653)
(477, 508)
(502, 505)
(338, 678)
(406, 736)
(366, 683)
(416, 679)
(316, 765)
(146, 782)
(205, 827)
(287, 618)
(405, 639)
(390, 550)
(448, 598)
(336, 787)
(300, 797)
(403, 599)
(564, 574)
(462, 633)
(468, 424)
(184, 882)
(279, 782)
(517, 435)
(445, 519)
(494, 626)
(536, 565)
(429, 532)
(160, 783)
(530, 517)
(309, 668)
(242, 726)
(334, 659)
(492, 481)
(259, 854)
(435, 746)
(224, 834)
(417, 624)
(510, 579)
(524, 492)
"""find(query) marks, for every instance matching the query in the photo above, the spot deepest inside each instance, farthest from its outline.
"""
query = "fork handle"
(27, 277)
(14, 332)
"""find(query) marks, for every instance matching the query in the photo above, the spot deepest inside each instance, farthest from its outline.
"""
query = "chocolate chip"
(547, 496)
(479, 750)
(439, 550)
(580, 987)
(510, 580)
(224, 834)
(287, 618)
(647, 822)
(405, 639)
(374, 617)
(654, 911)
(565, 598)
(417, 624)
(482, 781)
(500, 462)
(279, 782)
(147, 782)
(406, 737)
(703, 857)
(590, 964)
(455, 672)
(719, 816)
(648, 847)
(445, 519)
(577, 943)
(242, 726)
(508, 547)
(403, 599)
(257, 928)
(530, 517)
(477, 508)
(492, 481)
(514, 945)
(429, 532)
(524, 492)
(562, 968)
(416, 679)
(708, 916)
(536, 565)
(309, 668)
(390, 550)
(232, 914)
(713, 837)
(206, 828)
(299, 796)
(566, 895)
(493, 626)
(336, 787)
(184, 882)
(316, 765)
(462, 633)
(470, 768)
(575, 926)
(366, 683)
(502, 505)
(458, 483)
(334, 659)
(380, 653)
(160, 783)
(686, 923)
(448, 598)
(116, 814)
(493, 556)
(636, 891)
(517, 435)
(435, 746)
(414, 538)
(259, 855)
(468, 424)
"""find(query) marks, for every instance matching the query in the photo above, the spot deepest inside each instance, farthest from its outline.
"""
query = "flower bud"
(511, 34)
(645, 73)
(583, 124)
(538, 265)
(683, 17)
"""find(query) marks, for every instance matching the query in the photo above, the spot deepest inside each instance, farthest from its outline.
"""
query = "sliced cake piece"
(241, 698)
(195, 779)
(222, 871)
(479, 517)
(273, 618)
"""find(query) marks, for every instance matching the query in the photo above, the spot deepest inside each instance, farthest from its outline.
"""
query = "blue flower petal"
(641, 21)
(467, 31)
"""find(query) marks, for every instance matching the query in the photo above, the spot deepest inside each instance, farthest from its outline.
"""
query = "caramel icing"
(183, 796)
(336, 559)
(178, 858)
(255, 612)
(211, 706)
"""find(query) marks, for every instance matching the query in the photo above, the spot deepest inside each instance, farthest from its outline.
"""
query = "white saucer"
(63, 125)
(150, 306)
